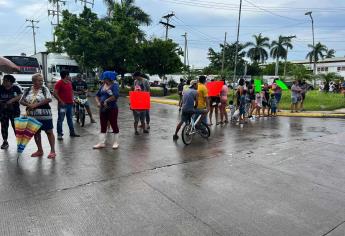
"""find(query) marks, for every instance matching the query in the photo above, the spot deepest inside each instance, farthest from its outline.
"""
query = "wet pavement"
(274, 176)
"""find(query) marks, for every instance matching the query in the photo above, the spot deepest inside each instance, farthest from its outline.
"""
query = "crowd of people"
(245, 104)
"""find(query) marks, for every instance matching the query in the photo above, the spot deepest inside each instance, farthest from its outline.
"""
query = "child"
(243, 106)
(258, 104)
(232, 110)
(273, 104)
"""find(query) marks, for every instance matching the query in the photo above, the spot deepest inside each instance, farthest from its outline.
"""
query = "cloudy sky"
(205, 22)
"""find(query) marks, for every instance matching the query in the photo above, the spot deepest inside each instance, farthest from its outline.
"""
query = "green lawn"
(315, 101)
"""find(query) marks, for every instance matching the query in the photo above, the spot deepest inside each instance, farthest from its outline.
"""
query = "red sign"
(139, 100)
(214, 88)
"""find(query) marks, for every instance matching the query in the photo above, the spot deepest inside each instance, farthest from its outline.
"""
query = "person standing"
(106, 99)
(63, 92)
(37, 99)
(304, 89)
(9, 106)
(141, 84)
(251, 94)
(277, 92)
(180, 91)
(203, 105)
(295, 93)
(80, 89)
(265, 99)
(224, 102)
(214, 104)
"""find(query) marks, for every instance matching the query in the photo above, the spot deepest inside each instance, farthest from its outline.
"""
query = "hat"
(111, 75)
(193, 82)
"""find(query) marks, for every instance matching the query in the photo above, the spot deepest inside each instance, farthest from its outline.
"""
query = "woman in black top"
(9, 106)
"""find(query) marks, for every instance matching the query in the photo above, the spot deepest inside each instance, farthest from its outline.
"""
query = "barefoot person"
(37, 99)
(106, 99)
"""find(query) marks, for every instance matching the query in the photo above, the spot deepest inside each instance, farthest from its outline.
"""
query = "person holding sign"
(141, 84)
(277, 90)
(214, 104)
(106, 99)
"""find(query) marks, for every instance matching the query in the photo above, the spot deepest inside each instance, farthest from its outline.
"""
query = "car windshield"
(70, 69)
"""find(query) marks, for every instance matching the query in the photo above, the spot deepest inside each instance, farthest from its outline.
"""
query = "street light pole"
(309, 13)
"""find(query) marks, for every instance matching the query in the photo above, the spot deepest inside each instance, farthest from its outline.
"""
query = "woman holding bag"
(106, 98)
(37, 99)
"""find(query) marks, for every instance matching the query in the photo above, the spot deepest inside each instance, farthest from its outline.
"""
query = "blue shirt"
(105, 94)
(188, 100)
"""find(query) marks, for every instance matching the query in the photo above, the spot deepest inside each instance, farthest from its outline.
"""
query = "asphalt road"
(274, 176)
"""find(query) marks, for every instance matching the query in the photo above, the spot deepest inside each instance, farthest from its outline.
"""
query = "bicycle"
(193, 127)
(80, 109)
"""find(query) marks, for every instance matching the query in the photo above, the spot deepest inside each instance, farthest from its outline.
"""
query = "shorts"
(214, 101)
(139, 115)
(46, 125)
(265, 104)
(186, 116)
(294, 100)
(273, 110)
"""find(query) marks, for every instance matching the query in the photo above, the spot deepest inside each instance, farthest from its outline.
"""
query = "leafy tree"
(330, 53)
(54, 47)
(128, 9)
(160, 57)
(257, 52)
(330, 77)
(300, 72)
(278, 50)
(318, 51)
(254, 69)
(229, 62)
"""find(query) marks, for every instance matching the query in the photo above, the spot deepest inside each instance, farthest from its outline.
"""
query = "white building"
(327, 65)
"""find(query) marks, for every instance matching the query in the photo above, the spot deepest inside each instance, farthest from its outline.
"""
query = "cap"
(192, 83)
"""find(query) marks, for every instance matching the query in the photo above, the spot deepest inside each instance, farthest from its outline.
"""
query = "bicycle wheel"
(82, 116)
(186, 134)
(204, 130)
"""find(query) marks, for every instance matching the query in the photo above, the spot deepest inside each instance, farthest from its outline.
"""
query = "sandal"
(52, 155)
(37, 154)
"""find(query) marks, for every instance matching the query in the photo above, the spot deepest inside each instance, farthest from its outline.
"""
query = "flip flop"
(37, 154)
(52, 155)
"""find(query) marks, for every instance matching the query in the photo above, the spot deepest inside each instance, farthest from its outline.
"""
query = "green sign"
(257, 84)
(282, 85)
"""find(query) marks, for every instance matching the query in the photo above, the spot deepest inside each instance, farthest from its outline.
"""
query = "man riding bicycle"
(189, 102)
(80, 89)
(203, 104)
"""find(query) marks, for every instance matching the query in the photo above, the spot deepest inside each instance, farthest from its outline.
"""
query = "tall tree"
(229, 62)
(160, 57)
(257, 52)
(127, 9)
(319, 51)
(330, 53)
(278, 50)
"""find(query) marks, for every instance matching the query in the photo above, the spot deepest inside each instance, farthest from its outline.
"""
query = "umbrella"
(7, 66)
(25, 127)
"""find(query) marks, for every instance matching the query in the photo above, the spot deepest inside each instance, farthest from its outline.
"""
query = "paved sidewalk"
(340, 113)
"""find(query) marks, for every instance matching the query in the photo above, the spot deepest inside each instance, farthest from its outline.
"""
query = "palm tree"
(318, 52)
(128, 8)
(330, 53)
(257, 52)
(279, 49)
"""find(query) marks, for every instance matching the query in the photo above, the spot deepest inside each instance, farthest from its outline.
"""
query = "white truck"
(27, 67)
(53, 63)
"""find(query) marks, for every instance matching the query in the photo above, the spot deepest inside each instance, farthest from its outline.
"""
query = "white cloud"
(36, 9)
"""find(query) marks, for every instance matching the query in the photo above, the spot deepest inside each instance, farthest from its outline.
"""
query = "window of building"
(326, 69)
(338, 68)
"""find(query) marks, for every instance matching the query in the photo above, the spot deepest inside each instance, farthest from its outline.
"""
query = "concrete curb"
(284, 113)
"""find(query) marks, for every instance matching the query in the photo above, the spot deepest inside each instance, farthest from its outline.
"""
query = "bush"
(172, 83)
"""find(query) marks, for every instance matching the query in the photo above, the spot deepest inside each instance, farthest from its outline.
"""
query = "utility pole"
(33, 26)
(287, 50)
(56, 12)
(166, 24)
(91, 2)
(309, 13)
(223, 59)
(237, 40)
(185, 52)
